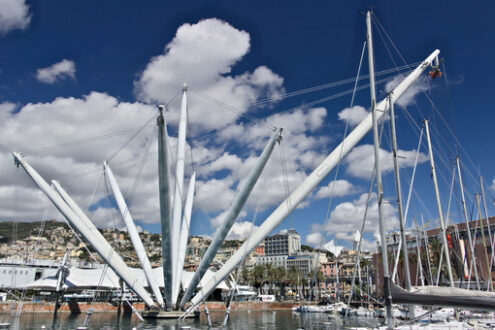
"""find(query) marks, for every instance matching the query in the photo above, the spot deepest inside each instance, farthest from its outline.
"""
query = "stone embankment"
(104, 307)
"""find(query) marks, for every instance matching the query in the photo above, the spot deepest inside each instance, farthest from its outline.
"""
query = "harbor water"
(237, 320)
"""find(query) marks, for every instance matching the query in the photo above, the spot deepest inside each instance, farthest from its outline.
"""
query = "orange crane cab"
(435, 72)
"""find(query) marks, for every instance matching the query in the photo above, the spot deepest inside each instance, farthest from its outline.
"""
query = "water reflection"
(238, 320)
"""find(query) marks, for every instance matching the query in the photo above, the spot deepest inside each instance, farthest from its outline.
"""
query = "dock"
(167, 314)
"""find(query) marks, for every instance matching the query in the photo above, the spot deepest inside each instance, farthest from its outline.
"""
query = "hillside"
(26, 229)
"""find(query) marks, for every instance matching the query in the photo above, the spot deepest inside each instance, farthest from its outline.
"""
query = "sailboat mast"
(399, 192)
(427, 248)
(487, 219)
(418, 240)
(489, 273)
(439, 206)
(376, 145)
(308, 185)
(468, 229)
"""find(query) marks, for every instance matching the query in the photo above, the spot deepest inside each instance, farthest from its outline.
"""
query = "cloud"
(41, 129)
(23, 204)
(6, 109)
(218, 220)
(56, 72)
(226, 162)
(408, 97)
(101, 125)
(14, 14)
(361, 160)
(347, 217)
(202, 55)
(315, 239)
(367, 245)
(339, 188)
(214, 195)
(301, 153)
(241, 230)
(353, 115)
(104, 217)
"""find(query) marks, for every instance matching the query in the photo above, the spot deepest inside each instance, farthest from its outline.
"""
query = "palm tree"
(364, 262)
(270, 276)
(292, 278)
(257, 274)
(245, 275)
(280, 278)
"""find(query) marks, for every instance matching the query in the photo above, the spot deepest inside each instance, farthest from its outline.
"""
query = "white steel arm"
(310, 183)
(133, 234)
(86, 228)
(184, 232)
(179, 184)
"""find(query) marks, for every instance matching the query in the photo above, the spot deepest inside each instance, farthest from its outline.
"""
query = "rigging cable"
(332, 193)
(347, 122)
(435, 108)
(438, 150)
(329, 85)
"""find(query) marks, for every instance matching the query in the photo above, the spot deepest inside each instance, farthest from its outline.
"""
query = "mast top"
(184, 87)
(161, 109)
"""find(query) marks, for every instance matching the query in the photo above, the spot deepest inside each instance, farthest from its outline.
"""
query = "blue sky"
(121, 60)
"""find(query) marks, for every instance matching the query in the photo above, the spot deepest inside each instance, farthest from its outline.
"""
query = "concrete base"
(167, 314)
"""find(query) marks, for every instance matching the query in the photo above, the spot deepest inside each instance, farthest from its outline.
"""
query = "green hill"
(25, 229)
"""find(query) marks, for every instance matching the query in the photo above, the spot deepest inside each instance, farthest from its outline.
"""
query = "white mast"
(133, 234)
(378, 173)
(399, 194)
(489, 272)
(485, 209)
(86, 228)
(184, 233)
(418, 251)
(179, 183)
(427, 248)
(468, 229)
(310, 183)
(439, 207)
(487, 222)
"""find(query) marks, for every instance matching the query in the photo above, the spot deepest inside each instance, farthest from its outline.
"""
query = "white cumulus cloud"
(347, 217)
(361, 160)
(420, 85)
(202, 55)
(58, 71)
(59, 136)
(241, 230)
(315, 239)
(339, 188)
(14, 14)
(353, 115)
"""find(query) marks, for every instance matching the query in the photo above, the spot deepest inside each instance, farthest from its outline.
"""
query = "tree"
(270, 276)
(257, 274)
(364, 262)
(245, 275)
(293, 278)
(280, 278)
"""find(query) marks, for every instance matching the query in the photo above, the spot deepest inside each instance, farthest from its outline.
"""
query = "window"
(37, 276)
